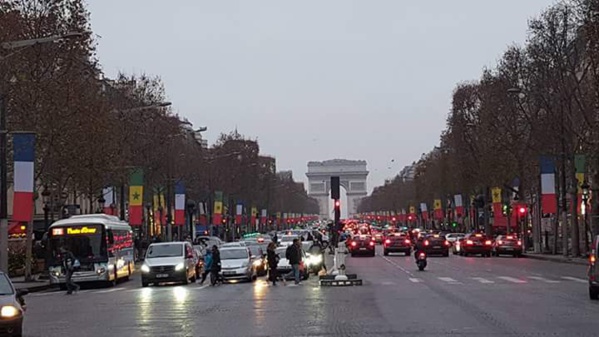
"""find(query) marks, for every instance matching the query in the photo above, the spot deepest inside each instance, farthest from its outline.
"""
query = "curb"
(35, 289)
(557, 260)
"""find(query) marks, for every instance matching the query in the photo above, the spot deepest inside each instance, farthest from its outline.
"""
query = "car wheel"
(373, 254)
(144, 284)
(446, 254)
(62, 286)
(353, 255)
(409, 252)
(593, 293)
(386, 253)
(465, 254)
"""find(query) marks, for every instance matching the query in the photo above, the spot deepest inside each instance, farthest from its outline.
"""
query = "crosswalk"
(119, 290)
(496, 280)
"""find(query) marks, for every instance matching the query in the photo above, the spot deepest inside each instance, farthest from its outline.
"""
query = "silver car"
(169, 262)
(236, 263)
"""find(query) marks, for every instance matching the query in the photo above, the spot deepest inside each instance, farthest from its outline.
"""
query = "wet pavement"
(455, 296)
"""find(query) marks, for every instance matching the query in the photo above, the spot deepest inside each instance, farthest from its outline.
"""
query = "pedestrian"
(275, 239)
(207, 266)
(294, 256)
(273, 262)
(215, 267)
(68, 263)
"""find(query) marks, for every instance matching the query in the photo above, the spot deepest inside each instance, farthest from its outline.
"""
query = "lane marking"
(575, 279)
(449, 280)
(415, 280)
(387, 283)
(511, 279)
(542, 279)
(109, 290)
(482, 280)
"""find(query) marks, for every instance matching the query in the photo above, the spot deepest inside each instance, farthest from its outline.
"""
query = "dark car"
(362, 245)
(12, 308)
(437, 245)
(397, 243)
(507, 245)
(476, 244)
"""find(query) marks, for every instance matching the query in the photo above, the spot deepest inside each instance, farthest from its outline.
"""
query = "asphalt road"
(455, 296)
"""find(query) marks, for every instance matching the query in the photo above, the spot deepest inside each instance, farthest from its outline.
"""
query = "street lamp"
(11, 45)
(148, 220)
(191, 207)
(101, 202)
(585, 187)
(46, 200)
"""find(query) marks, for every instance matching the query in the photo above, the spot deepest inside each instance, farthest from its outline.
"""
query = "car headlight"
(179, 267)
(9, 311)
(257, 263)
(316, 259)
(145, 268)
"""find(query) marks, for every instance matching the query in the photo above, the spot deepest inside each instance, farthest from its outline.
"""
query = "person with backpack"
(69, 263)
(215, 266)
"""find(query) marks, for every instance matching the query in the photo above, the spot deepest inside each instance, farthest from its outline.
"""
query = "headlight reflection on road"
(180, 294)
(260, 288)
(145, 305)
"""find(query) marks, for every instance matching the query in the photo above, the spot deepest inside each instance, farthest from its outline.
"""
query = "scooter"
(421, 261)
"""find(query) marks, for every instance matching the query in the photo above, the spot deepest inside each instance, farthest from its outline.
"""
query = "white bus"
(103, 245)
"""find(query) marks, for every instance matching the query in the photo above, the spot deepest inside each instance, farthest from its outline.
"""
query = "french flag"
(180, 204)
(24, 158)
(238, 214)
(108, 195)
(548, 198)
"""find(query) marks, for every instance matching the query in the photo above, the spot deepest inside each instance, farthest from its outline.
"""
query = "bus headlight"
(101, 270)
(9, 311)
(179, 267)
(145, 268)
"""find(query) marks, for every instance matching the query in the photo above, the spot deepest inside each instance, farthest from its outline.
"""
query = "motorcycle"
(421, 261)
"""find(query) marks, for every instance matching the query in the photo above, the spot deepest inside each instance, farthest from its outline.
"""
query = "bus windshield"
(85, 242)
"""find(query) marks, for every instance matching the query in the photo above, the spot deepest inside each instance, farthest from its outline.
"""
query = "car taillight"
(426, 243)
(592, 258)
(499, 242)
(446, 243)
(422, 255)
(387, 241)
(353, 244)
(372, 243)
(407, 242)
(488, 242)
(469, 242)
(519, 243)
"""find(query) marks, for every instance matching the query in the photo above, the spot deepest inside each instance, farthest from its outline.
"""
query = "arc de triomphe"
(352, 175)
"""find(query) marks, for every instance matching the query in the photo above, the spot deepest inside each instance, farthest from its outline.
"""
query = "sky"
(313, 80)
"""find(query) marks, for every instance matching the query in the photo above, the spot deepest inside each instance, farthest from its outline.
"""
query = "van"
(169, 262)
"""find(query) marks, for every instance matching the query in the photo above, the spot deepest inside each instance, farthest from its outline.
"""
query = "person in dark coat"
(215, 268)
(68, 263)
(273, 263)
(294, 255)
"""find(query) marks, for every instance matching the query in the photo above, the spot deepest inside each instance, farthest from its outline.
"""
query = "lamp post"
(148, 220)
(46, 200)
(585, 199)
(12, 45)
(101, 203)
(191, 208)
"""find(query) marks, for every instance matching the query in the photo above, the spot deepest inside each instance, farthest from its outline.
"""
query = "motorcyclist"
(420, 246)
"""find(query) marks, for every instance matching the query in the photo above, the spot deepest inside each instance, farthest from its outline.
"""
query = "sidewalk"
(34, 286)
(557, 258)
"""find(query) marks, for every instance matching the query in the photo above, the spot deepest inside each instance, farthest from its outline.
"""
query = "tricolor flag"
(24, 158)
(180, 204)
(253, 216)
(497, 206)
(217, 215)
(548, 198)
(159, 207)
(108, 195)
(136, 193)
(263, 216)
(438, 208)
(238, 213)
(459, 205)
(424, 210)
(202, 213)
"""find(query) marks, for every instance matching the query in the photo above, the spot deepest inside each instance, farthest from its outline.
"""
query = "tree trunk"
(574, 204)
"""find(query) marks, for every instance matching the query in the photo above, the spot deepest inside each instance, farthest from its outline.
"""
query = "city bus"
(102, 244)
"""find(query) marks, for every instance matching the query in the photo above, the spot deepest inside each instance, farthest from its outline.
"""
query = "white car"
(453, 237)
(287, 240)
(283, 267)
(169, 262)
(236, 263)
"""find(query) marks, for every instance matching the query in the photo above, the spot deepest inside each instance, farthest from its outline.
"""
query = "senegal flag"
(217, 215)
(136, 193)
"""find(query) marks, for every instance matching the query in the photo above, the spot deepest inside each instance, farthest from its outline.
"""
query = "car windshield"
(288, 238)
(5, 286)
(233, 254)
(168, 250)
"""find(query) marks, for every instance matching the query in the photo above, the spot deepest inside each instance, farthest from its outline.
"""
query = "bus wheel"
(128, 272)
(62, 286)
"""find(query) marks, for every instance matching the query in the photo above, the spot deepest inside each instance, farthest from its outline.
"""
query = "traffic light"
(224, 221)
(454, 224)
(337, 203)
(409, 218)
(507, 209)
(522, 210)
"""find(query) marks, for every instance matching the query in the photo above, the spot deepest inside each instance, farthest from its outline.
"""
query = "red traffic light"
(337, 203)
(522, 210)
(410, 217)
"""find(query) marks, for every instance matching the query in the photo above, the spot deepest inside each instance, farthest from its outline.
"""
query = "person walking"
(294, 255)
(207, 266)
(68, 263)
(215, 267)
(273, 262)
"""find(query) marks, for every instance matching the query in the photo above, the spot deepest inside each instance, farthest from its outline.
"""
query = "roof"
(103, 219)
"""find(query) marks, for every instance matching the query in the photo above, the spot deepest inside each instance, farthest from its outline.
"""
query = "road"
(455, 296)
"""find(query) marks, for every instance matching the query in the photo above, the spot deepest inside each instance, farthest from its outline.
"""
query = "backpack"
(288, 252)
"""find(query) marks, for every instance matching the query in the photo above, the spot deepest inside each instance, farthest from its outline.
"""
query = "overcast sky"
(313, 79)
